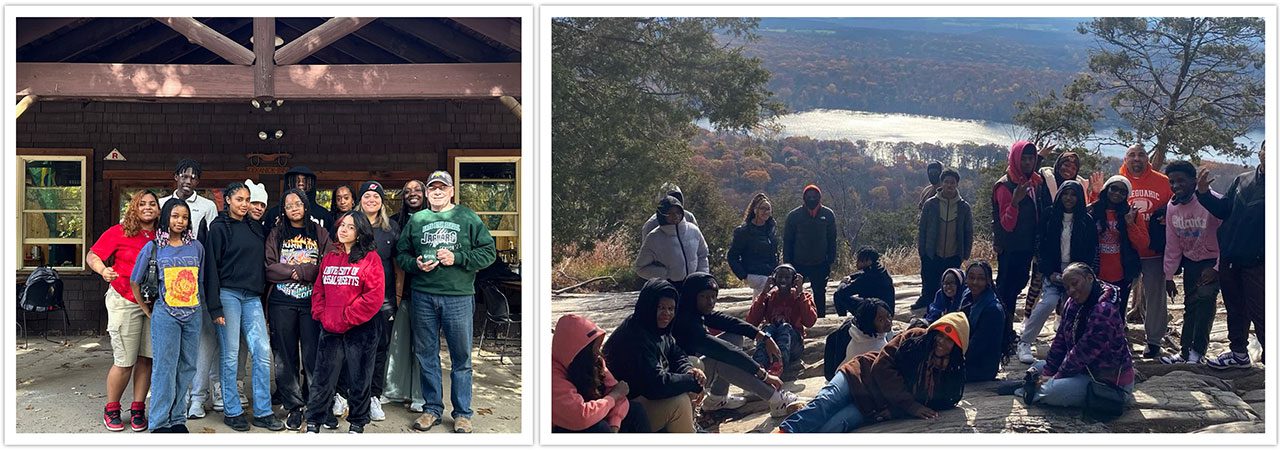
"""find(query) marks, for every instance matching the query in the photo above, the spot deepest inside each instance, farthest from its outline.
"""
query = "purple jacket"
(1102, 348)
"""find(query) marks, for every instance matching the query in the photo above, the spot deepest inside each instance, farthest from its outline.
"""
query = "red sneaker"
(775, 368)
(111, 418)
(138, 416)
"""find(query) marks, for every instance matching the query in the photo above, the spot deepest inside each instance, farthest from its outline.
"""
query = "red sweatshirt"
(1150, 192)
(797, 310)
(345, 294)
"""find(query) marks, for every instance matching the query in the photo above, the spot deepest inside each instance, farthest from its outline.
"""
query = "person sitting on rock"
(585, 397)
(869, 329)
(947, 299)
(643, 353)
(724, 360)
(1090, 344)
(919, 372)
(787, 310)
(990, 342)
(870, 281)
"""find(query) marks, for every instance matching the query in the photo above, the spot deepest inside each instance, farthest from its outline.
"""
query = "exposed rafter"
(500, 30)
(357, 48)
(200, 34)
(458, 46)
(32, 29)
(319, 38)
(385, 38)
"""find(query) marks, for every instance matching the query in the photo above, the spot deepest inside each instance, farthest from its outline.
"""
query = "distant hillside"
(962, 68)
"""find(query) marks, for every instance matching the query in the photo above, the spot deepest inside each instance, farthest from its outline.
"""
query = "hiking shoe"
(313, 428)
(1230, 359)
(1025, 351)
(294, 420)
(426, 421)
(179, 428)
(462, 425)
(339, 405)
(783, 403)
(237, 423)
(719, 402)
(138, 419)
(269, 422)
(355, 429)
(111, 419)
(375, 410)
(195, 411)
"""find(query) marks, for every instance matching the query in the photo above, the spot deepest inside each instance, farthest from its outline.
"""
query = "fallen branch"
(584, 283)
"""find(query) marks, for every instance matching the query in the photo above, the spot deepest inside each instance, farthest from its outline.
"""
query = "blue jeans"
(831, 411)
(453, 315)
(243, 311)
(174, 345)
(1068, 392)
(788, 340)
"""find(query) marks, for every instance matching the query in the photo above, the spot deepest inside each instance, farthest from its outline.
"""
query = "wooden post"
(200, 34)
(23, 104)
(512, 104)
(319, 38)
(264, 50)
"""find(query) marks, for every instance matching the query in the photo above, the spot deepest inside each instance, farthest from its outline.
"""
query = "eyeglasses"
(293, 205)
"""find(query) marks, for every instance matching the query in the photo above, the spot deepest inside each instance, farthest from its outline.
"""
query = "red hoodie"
(1150, 192)
(347, 295)
(569, 409)
(797, 310)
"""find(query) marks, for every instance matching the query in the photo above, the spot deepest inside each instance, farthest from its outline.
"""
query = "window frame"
(85, 158)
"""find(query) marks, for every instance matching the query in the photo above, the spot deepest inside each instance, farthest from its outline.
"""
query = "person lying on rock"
(643, 353)
(918, 373)
(990, 341)
(585, 397)
(1090, 344)
(723, 358)
(870, 281)
(947, 299)
(870, 328)
(787, 311)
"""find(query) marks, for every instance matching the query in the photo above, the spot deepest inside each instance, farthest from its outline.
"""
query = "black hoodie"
(318, 213)
(235, 258)
(647, 357)
(872, 282)
(690, 327)
(1084, 233)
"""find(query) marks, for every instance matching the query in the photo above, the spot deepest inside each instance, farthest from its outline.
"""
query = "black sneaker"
(111, 419)
(1030, 385)
(162, 430)
(179, 428)
(138, 419)
(313, 428)
(294, 420)
(331, 422)
(1153, 352)
(237, 423)
(269, 422)
(355, 429)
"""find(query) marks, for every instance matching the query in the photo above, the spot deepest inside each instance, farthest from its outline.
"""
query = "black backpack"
(837, 344)
(43, 291)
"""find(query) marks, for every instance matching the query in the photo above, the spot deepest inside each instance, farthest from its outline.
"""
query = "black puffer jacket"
(647, 357)
(690, 327)
(754, 250)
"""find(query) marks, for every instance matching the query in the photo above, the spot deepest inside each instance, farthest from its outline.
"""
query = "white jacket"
(672, 252)
(860, 343)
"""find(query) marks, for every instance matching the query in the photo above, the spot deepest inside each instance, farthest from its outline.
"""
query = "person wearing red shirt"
(127, 323)
(1150, 192)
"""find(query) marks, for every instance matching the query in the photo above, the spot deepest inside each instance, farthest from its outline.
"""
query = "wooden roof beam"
(319, 38)
(358, 48)
(264, 52)
(455, 44)
(387, 39)
(301, 82)
(32, 29)
(83, 39)
(500, 30)
(200, 34)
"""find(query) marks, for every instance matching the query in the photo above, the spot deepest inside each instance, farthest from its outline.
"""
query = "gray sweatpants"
(722, 375)
(1156, 302)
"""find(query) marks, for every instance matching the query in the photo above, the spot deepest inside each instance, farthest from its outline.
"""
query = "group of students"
(344, 306)
(1079, 243)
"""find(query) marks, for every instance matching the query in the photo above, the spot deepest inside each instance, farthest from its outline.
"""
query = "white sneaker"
(716, 402)
(783, 403)
(383, 400)
(417, 406)
(196, 410)
(217, 397)
(339, 405)
(240, 390)
(375, 410)
(1025, 353)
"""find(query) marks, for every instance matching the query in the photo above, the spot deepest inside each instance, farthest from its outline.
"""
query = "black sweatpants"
(1243, 295)
(817, 276)
(379, 382)
(294, 335)
(348, 356)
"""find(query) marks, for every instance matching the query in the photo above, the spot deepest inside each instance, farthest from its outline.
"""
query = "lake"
(838, 124)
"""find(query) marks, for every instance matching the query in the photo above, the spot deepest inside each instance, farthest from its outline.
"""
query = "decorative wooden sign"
(268, 163)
